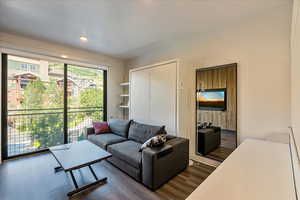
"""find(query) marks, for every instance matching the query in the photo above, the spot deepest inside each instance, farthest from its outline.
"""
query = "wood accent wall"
(214, 78)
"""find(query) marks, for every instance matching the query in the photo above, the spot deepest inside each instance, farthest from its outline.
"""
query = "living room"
(149, 100)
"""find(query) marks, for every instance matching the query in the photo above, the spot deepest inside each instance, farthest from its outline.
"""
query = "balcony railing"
(30, 130)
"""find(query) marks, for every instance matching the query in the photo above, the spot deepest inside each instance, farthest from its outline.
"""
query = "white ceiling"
(120, 27)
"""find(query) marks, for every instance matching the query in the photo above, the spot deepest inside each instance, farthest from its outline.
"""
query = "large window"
(48, 103)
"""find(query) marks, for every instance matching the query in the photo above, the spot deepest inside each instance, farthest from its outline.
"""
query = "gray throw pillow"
(143, 132)
(155, 141)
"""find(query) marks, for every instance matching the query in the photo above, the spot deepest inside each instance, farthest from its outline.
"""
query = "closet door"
(139, 96)
(163, 96)
(153, 96)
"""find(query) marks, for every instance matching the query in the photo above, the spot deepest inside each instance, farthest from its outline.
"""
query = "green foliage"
(91, 97)
(54, 96)
(33, 95)
(44, 122)
(46, 129)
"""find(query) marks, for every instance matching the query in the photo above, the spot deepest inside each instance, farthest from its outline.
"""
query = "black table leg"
(95, 176)
(79, 189)
(73, 179)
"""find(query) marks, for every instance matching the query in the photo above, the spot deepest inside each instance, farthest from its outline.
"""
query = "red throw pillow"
(101, 127)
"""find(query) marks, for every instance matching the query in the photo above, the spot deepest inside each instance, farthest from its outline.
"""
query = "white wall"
(115, 72)
(295, 71)
(295, 88)
(260, 46)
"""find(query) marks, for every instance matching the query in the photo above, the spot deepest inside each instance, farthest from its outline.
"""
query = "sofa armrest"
(157, 152)
(161, 164)
(90, 130)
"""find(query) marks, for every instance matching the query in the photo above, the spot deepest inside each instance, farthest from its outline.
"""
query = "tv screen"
(211, 99)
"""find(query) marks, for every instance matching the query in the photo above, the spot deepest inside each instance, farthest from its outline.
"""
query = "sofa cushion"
(103, 140)
(127, 151)
(124, 166)
(143, 132)
(119, 126)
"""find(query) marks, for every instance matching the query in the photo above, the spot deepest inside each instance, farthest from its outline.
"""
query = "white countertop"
(256, 170)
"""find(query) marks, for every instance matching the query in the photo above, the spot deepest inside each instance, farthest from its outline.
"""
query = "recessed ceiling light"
(64, 56)
(83, 38)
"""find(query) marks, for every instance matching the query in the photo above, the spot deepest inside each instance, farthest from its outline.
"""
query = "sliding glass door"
(85, 94)
(47, 103)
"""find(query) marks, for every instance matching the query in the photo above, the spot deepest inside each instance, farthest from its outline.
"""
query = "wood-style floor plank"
(220, 154)
(34, 178)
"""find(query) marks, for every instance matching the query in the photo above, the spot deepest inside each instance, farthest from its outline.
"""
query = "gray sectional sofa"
(152, 166)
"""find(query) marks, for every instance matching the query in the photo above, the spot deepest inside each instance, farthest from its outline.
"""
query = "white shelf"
(125, 100)
(124, 106)
(125, 84)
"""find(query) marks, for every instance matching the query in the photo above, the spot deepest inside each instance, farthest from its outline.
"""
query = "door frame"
(236, 65)
(3, 106)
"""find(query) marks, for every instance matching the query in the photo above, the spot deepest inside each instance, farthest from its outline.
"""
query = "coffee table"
(77, 155)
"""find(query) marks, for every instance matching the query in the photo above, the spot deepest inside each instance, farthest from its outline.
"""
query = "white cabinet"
(153, 95)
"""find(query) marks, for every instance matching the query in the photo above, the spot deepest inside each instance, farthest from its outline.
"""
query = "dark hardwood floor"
(34, 178)
(220, 154)
(228, 139)
(228, 145)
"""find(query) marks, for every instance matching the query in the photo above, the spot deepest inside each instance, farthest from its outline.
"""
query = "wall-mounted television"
(212, 99)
